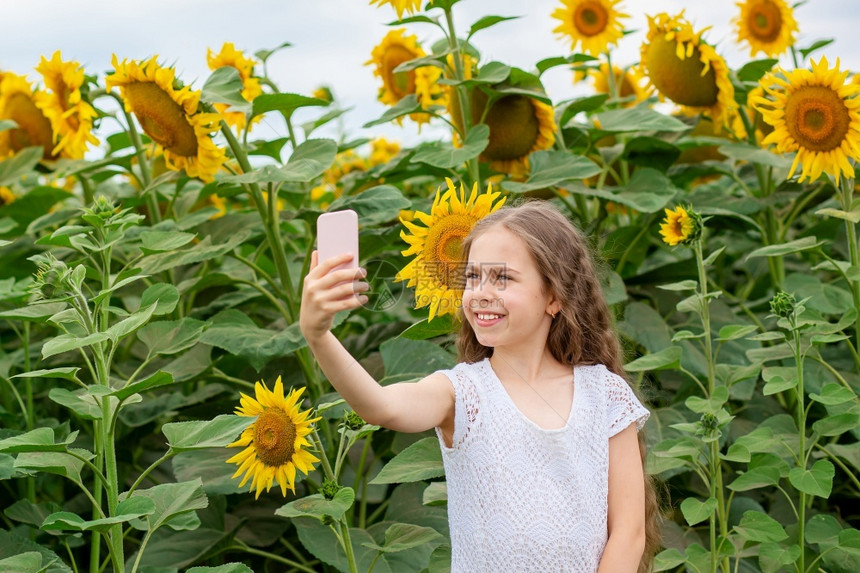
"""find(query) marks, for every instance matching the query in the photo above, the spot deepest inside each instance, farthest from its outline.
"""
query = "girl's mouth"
(485, 319)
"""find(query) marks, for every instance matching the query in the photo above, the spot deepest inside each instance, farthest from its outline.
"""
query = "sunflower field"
(161, 411)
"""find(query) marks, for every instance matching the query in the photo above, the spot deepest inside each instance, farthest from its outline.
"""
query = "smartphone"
(337, 233)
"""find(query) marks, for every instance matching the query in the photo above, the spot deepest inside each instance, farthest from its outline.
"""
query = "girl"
(537, 426)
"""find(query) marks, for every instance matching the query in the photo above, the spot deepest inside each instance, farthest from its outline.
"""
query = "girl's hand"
(323, 296)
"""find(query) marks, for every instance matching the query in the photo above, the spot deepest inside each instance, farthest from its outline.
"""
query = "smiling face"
(504, 299)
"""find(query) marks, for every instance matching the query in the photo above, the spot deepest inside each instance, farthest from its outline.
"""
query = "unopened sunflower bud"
(330, 488)
(783, 304)
(709, 422)
(52, 280)
(353, 421)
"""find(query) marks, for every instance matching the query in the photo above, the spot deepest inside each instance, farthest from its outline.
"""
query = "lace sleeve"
(623, 408)
(466, 406)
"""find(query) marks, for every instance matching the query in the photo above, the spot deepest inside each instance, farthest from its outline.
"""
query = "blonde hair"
(582, 332)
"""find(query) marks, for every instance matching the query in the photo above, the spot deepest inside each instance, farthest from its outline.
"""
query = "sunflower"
(400, 6)
(628, 82)
(681, 226)
(519, 125)
(276, 443)
(593, 24)
(395, 49)
(382, 150)
(436, 271)
(18, 103)
(70, 115)
(762, 129)
(767, 26)
(170, 116)
(6, 196)
(685, 69)
(230, 56)
(815, 113)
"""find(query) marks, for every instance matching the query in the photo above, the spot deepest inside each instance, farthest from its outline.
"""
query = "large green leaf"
(379, 204)
(420, 461)
(638, 119)
(648, 191)
(167, 337)
(446, 156)
(156, 380)
(126, 510)
(38, 440)
(552, 168)
(28, 562)
(159, 241)
(175, 505)
(758, 527)
(215, 433)
(284, 103)
(67, 342)
(804, 244)
(318, 507)
(696, 511)
(410, 359)
(128, 325)
(225, 86)
(236, 333)
(818, 480)
(667, 358)
(19, 165)
(402, 536)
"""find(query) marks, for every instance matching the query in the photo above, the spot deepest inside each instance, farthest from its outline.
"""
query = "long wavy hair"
(582, 332)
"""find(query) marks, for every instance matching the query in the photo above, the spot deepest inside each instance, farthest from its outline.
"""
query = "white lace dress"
(522, 498)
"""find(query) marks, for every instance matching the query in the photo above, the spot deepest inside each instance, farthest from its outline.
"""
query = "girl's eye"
(471, 275)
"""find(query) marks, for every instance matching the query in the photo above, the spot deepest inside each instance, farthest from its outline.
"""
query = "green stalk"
(801, 433)
(462, 93)
(31, 410)
(344, 526)
(720, 516)
(851, 232)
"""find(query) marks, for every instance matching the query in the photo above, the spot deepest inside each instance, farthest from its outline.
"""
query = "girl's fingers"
(334, 278)
(314, 260)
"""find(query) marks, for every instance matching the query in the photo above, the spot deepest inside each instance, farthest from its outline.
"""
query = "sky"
(332, 39)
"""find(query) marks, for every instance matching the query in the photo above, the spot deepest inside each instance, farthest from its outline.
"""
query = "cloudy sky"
(332, 39)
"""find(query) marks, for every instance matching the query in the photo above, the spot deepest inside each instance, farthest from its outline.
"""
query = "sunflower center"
(33, 127)
(680, 80)
(400, 83)
(444, 246)
(817, 118)
(590, 18)
(161, 118)
(513, 123)
(765, 21)
(274, 437)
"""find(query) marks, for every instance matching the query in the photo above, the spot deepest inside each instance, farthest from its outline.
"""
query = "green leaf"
(12, 545)
(225, 86)
(758, 527)
(379, 204)
(758, 477)
(646, 151)
(648, 191)
(493, 73)
(164, 296)
(58, 463)
(318, 507)
(158, 241)
(837, 424)
(405, 106)
(157, 380)
(66, 372)
(413, 359)
(753, 154)
(486, 22)
(171, 336)
(822, 529)
(27, 562)
(80, 402)
(815, 481)
(680, 286)
(6, 124)
(420, 461)
(19, 165)
(696, 511)
(425, 328)
(308, 161)
(215, 433)
(226, 568)
(127, 510)
(579, 105)
(710, 405)
(236, 333)
(35, 312)
(833, 395)
(551, 168)
(435, 494)
(773, 557)
(817, 45)
(446, 156)
(735, 331)
(284, 103)
(128, 325)
(804, 244)
(853, 215)
(175, 505)
(668, 559)
(753, 71)
(264, 55)
(665, 359)
(38, 440)
(402, 536)
(67, 342)
(779, 379)
(638, 119)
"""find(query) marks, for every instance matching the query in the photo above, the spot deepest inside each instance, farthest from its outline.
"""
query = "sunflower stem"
(145, 175)
(847, 185)
(463, 93)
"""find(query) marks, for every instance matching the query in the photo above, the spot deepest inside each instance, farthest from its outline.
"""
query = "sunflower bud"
(783, 304)
(53, 279)
(330, 488)
(353, 421)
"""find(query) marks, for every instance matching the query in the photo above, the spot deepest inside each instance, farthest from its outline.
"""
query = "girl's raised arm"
(404, 407)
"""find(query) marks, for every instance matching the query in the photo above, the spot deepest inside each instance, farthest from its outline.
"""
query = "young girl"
(537, 426)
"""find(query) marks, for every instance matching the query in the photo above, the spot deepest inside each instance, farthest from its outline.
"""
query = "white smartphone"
(337, 233)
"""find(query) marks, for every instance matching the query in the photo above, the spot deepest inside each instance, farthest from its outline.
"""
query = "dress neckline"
(501, 387)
